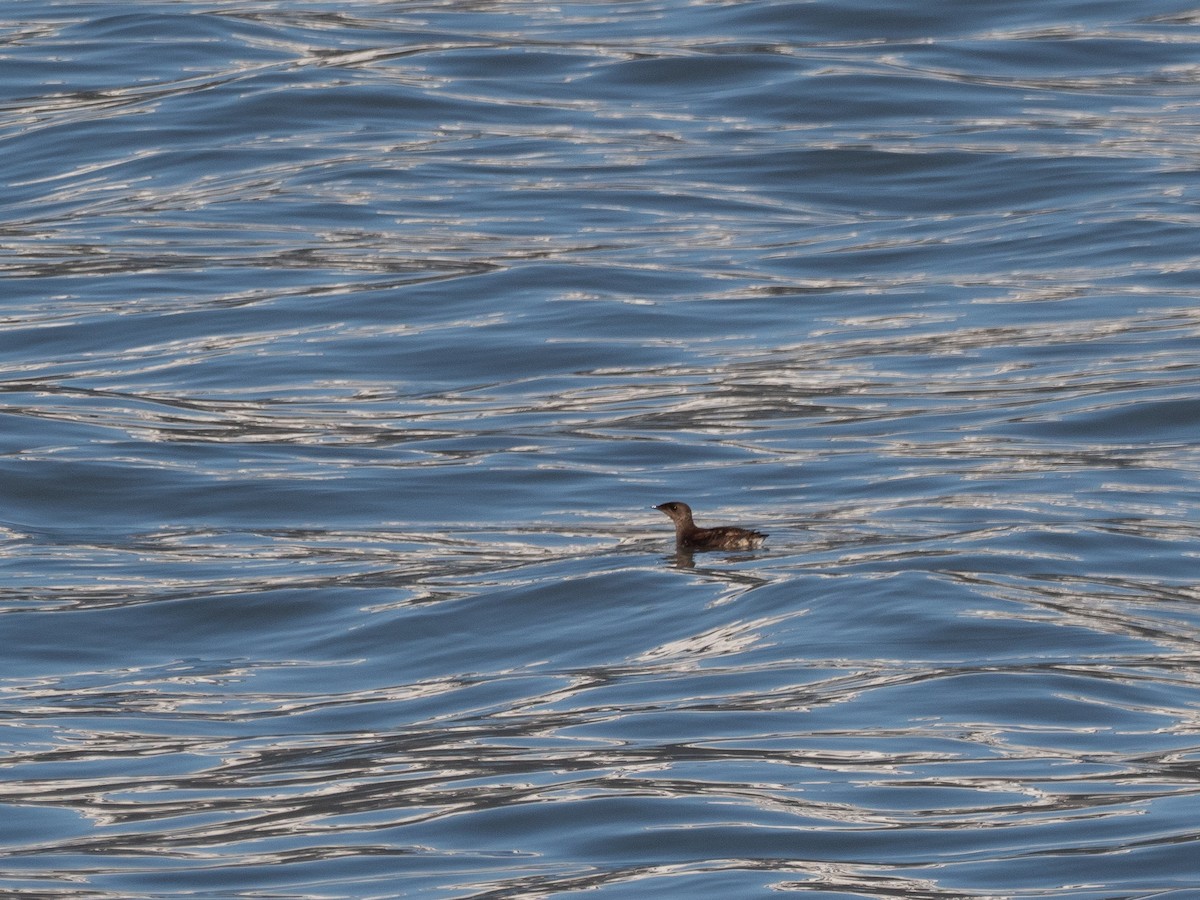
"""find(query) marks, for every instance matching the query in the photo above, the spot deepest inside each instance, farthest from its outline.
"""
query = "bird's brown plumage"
(724, 537)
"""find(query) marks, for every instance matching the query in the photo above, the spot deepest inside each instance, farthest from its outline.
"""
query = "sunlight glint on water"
(348, 347)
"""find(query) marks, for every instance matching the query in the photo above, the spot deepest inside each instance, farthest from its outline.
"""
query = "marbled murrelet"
(723, 537)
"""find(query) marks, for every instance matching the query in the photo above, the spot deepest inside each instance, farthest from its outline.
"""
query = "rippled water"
(347, 346)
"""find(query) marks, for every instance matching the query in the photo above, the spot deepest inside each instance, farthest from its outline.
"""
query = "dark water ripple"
(346, 346)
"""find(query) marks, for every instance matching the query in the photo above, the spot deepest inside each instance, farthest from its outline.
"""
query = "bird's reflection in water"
(715, 566)
(682, 558)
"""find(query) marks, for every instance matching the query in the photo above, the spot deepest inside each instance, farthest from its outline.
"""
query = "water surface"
(346, 348)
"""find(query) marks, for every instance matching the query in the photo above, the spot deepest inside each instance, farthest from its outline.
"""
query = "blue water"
(347, 346)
